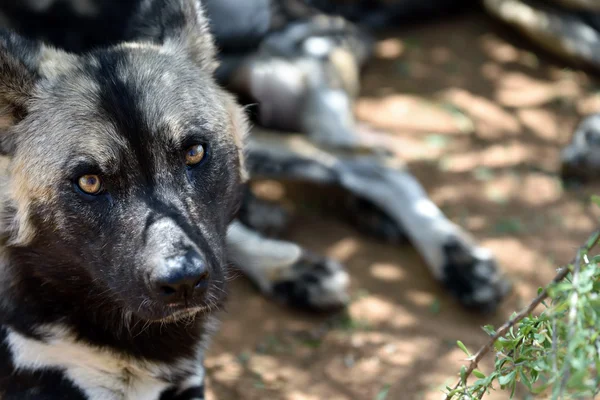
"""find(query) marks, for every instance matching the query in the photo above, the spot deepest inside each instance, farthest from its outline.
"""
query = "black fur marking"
(304, 289)
(119, 103)
(267, 166)
(372, 221)
(466, 277)
(268, 218)
(49, 384)
(194, 393)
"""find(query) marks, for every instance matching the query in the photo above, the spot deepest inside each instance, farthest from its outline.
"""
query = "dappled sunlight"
(491, 121)
(269, 190)
(517, 89)
(541, 123)
(363, 371)
(539, 189)
(387, 272)
(499, 50)
(389, 48)
(509, 154)
(225, 368)
(421, 298)
(297, 395)
(344, 249)
(576, 216)
(503, 188)
(271, 371)
(529, 267)
(588, 104)
(409, 113)
(375, 310)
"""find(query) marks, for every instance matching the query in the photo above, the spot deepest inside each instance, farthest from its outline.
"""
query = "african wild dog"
(122, 172)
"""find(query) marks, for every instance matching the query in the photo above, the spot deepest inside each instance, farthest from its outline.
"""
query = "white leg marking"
(400, 195)
(264, 260)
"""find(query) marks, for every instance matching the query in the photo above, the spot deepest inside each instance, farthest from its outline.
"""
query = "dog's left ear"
(179, 25)
(23, 63)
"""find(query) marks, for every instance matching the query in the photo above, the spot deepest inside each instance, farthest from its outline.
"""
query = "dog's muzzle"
(181, 280)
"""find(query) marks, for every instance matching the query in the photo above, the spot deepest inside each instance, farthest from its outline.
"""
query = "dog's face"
(125, 172)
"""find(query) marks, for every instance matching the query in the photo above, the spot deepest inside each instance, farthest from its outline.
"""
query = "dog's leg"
(286, 272)
(467, 270)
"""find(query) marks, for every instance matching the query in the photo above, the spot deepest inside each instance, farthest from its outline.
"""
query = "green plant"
(555, 352)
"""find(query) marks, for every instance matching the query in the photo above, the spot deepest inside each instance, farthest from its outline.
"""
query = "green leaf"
(525, 380)
(478, 374)
(506, 379)
(489, 329)
(463, 347)
(594, 238)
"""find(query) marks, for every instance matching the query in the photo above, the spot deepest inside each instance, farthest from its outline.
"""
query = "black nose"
(182, 277)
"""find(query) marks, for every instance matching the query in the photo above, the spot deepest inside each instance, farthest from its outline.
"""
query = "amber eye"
(194, 154)
(90, 184)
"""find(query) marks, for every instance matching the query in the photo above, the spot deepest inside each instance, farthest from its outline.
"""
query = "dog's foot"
(370, 220)
(313, 283)
(286, 272)
(473, 277)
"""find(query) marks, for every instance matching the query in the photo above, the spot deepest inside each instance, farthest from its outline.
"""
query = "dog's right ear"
(181, 26)
(22, 63)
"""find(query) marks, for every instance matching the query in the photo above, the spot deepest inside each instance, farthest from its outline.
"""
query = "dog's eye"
(194, 155)
(90, 184)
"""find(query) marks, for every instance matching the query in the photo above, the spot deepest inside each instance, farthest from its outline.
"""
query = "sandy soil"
(480, 119)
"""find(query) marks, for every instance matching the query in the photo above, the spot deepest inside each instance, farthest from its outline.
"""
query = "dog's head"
(125, 165)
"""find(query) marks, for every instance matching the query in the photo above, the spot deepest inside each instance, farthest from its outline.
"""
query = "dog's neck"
(33, 303)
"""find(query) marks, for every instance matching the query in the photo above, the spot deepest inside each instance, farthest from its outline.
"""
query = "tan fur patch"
(241, 128)
(23, 191)
(6, 120)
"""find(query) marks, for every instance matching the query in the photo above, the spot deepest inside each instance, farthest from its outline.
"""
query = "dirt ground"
(480, 118)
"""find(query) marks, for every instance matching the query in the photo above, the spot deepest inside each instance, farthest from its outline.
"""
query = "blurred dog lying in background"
(298, 68)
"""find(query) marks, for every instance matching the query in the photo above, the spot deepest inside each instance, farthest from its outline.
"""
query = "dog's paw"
(314, 283)
(472, 275)
(370, 220)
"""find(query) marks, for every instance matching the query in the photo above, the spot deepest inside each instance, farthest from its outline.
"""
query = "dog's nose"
(182, 277)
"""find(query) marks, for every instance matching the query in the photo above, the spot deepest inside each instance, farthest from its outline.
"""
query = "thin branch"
(562, 274)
